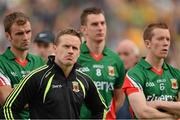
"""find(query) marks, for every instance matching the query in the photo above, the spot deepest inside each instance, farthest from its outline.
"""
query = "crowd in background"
(125, 18)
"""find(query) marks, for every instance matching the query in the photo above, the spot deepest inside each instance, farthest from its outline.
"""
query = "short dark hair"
(147, 35)
(87, 11)
(68, 31)
(15, 17)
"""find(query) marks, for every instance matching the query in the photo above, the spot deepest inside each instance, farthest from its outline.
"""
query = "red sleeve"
(130, 86)
(3, 80)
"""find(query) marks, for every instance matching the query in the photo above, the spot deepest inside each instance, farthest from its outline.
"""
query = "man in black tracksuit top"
(56, 90)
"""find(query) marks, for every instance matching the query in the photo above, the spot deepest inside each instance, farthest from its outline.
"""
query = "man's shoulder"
(136, 70)
(35, 58)
(83, 77)
(174, 71)
(109, 51)
(3, 56)
(112, 54)
(41, 71)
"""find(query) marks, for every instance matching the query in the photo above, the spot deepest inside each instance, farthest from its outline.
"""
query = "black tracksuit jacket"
(50, 94)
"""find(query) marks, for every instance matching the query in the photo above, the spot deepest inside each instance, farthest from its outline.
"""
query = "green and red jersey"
(16, 70)
(107, 71)
(156, 85)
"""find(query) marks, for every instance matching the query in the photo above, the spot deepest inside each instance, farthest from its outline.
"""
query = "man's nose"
(70, 50)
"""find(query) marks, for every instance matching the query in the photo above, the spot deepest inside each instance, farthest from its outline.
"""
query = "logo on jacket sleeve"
(111, 71)
(75, 86)
(174, 83)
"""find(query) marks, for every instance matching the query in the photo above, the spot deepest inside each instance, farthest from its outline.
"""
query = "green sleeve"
(121, 73)
(137, 77)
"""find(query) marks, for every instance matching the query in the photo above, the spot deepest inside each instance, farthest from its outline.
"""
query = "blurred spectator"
(129, 53)
(44, 43)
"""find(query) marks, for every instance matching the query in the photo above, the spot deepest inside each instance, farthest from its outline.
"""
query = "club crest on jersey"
(111, 71)
(174, 83)
(75, 86)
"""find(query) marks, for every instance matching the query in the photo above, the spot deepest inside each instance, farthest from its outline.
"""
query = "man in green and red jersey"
(103, 65)
(16, 62)
(152, 85)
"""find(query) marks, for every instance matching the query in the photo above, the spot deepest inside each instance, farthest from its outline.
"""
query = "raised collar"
(72, 74)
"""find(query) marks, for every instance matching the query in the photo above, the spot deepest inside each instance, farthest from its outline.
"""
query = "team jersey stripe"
(104, 114)
(130, 86)
(82, 86)
(14, 93)
(48, 87)
(134, 83)
(2, 82)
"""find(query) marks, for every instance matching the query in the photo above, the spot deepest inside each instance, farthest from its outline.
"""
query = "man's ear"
(54, 47)
(8, 36)
(147, 43)
(83, 29)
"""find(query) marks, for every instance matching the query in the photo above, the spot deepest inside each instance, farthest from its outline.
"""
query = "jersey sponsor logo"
(174, 83)
(24, 73)
(161, 80)
(75, 85)
(101, 85)
(14, 74)
(57, 86)
(98, 66)
(111, 71)
(84, 69)
(153, 97)
(150, 84)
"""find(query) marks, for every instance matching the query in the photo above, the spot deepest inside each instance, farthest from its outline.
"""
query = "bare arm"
(169, 106)
(119, 97)
(4, 92)
(142, 110)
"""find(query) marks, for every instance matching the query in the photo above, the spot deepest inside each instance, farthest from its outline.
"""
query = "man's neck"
(155, 62)
(96, 47)
(66, 69)
(21, 55)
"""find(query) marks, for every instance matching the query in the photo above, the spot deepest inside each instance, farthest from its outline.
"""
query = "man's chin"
(69, 64)
(24, 49)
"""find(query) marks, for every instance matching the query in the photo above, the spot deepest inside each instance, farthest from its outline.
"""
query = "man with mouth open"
(153, 86)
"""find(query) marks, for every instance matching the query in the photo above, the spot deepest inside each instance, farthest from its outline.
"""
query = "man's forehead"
(95, 17)
(26, 26)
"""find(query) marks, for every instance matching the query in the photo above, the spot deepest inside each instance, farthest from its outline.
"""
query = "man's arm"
(119, 97)
(116, 103)
(93, 99)
(5, 88)
(4, 92)
(142, 110)
(19, 97)
(168, 106)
